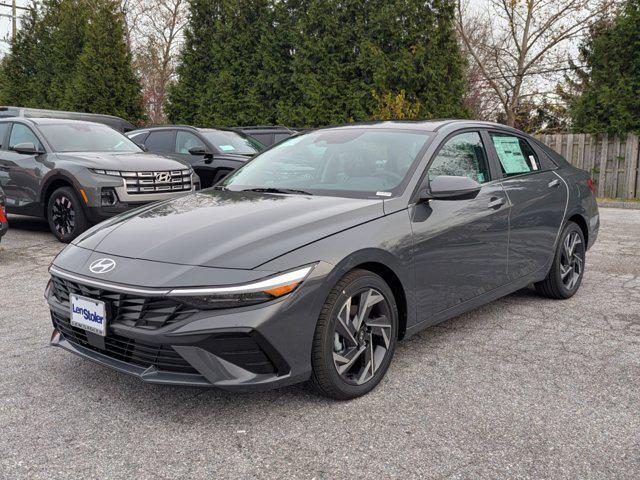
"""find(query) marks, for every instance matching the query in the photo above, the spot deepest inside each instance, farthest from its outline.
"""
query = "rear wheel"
(65, 215)
(355, 336)
(567, 270)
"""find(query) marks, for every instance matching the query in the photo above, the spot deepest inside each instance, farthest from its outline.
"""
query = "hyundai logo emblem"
(103, 265)
(163, 177)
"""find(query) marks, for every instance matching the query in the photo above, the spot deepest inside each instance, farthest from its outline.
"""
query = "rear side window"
(3, 133)
(23, 134)
(161, 141)
(515, 154)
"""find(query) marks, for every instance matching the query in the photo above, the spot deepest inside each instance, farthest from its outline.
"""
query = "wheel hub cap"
(572, 260)
(362, 336)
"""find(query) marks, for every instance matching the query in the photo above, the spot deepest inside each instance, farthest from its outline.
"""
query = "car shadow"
(32, 224)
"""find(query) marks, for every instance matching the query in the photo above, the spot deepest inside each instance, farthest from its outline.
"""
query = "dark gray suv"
(77, 173)
(315, 258)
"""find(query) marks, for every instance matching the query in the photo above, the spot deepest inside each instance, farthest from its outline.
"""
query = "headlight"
(112, 173)
(242, 295)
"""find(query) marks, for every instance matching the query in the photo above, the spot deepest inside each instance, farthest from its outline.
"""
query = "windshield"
(233, 142)
(345, 162)
(86, 137)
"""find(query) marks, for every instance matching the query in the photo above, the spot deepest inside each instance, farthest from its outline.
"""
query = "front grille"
(157, 182)
(145, 355)
(135, 311)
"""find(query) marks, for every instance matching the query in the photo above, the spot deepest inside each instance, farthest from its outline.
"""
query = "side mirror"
(198, 151)
(26, 148)
(445, 187)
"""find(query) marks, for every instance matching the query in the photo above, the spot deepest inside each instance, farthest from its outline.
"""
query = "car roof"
(49, 121)
(425, 125)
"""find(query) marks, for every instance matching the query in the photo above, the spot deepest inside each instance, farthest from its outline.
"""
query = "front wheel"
(65, 215)
(355, 336)
(567, 270)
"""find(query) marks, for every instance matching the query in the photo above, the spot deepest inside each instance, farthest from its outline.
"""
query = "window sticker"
(227, 148)
(534, 164)
(510, 154)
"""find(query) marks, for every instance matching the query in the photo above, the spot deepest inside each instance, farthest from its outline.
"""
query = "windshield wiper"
(278, 190)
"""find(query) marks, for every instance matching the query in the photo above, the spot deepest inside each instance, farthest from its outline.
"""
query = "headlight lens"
(243, 295)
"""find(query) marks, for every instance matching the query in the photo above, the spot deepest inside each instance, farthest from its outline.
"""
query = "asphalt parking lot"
(522, 388)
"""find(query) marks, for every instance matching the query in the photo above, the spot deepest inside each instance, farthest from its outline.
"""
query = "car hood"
(225, 229)
(125, 161)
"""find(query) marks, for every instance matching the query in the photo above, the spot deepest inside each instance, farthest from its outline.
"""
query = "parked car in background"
(268, 135)
(314, 259)
(212, 152)
(77, 173)
(4, 223)
(117, 123)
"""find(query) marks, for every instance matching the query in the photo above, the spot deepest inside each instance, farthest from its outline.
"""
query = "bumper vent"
(163, 357)
(148, 313)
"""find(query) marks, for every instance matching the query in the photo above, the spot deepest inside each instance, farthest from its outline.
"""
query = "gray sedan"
(313, 260)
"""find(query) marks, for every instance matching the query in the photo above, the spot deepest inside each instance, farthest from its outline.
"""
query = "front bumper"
(253, 348)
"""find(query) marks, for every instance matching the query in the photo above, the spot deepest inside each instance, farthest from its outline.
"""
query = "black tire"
(66, 215)
(378, 341)
(556, 285)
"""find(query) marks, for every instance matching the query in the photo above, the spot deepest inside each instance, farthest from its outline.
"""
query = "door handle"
(496, 202)
(554, 183)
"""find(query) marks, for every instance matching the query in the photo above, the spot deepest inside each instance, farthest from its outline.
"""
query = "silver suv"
(77, 173)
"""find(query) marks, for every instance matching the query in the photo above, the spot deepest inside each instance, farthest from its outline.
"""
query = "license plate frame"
(88, 314)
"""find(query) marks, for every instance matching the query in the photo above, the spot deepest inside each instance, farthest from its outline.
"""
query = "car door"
(25, 171)
(538, 198)
(460, 246)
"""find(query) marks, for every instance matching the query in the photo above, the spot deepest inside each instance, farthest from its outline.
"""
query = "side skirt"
(480, 300)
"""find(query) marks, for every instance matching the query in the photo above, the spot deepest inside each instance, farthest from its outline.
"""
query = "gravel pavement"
(521, 388)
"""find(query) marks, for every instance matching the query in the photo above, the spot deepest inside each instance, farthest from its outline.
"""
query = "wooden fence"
(612, 161)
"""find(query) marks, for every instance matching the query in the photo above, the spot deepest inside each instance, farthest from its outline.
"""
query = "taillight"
(592, 185)
(3, 216)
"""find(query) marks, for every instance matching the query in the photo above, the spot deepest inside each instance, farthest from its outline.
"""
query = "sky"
(5, 22)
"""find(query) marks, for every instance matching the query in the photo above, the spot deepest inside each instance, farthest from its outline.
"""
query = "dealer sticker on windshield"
(88, 314)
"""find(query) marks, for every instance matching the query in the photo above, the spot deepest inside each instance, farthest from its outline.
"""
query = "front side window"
(186, 141)
(23, 134)
(86, 137)
(462, 156)
(515, 154)
(351, 162)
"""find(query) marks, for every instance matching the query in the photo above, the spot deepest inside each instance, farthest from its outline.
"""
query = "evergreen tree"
(317, 62)
(72, 55)
(610, 100)
(195, 63)
(103, 80)
(21, 65)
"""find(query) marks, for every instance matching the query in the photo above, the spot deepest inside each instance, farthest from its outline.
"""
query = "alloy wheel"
(362, 336)
(572, 260)
(63, 215)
